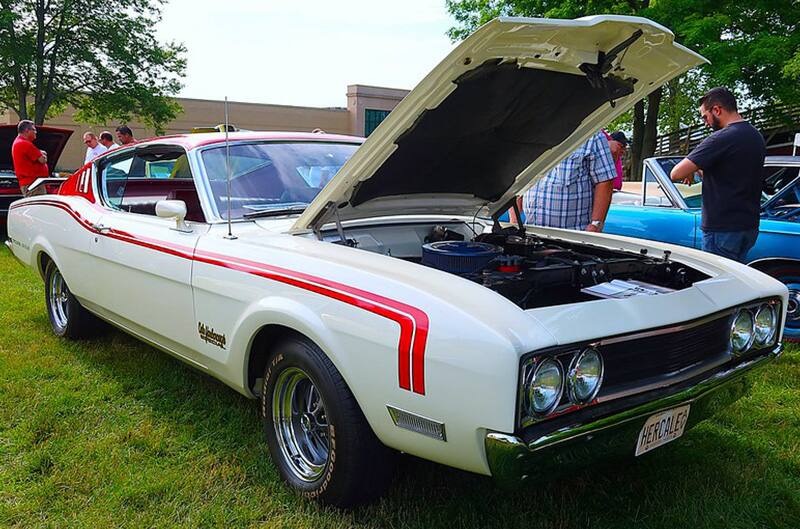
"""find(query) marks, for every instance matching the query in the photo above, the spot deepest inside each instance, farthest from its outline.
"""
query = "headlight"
(742, 331)
(585, 376)
(544, 387)
(766, 325)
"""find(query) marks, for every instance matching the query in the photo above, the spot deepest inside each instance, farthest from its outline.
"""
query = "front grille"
(648, 360)
(664, 354)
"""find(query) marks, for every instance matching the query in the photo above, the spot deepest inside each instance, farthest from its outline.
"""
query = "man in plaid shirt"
(577, 192)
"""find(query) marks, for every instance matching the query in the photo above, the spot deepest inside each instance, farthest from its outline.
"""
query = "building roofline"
(354, 89)
(249, 103)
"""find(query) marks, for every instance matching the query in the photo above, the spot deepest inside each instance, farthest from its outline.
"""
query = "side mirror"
(168, 209)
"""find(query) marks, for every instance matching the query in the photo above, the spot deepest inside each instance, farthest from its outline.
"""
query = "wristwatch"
(596, 223)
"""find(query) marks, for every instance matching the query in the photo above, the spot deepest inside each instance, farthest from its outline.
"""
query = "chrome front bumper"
(512, 458)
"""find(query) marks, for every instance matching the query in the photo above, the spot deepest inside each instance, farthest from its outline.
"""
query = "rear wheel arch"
(68, 318)
(42, 260)
(42, 253)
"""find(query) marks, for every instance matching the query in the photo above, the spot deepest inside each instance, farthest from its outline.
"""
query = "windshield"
(692, 194)
(272, 177)
(775, 179)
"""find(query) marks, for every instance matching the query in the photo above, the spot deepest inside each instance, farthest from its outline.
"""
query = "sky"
(304, 52)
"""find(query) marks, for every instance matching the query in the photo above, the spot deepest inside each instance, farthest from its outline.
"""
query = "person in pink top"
(618, 144)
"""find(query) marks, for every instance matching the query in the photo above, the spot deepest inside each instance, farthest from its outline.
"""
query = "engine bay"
(529, 270)
(535, 272)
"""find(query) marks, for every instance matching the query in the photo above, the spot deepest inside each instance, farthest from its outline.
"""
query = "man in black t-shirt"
(731, 163)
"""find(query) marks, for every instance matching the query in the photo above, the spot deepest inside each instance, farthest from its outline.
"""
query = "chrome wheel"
(301, 426)
(793, 307)
(59, 300)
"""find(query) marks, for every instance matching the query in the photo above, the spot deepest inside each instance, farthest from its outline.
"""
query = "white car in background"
(387, 311)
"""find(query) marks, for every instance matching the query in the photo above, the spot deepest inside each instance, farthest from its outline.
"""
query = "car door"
(145, 279)
(653, 216)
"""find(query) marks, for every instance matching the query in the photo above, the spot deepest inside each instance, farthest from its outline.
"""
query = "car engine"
(537, 272)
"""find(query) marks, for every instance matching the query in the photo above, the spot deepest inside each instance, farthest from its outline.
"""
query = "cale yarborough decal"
(208, 335)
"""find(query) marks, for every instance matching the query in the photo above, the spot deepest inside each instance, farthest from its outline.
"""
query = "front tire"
(67, 317)
(317, 435)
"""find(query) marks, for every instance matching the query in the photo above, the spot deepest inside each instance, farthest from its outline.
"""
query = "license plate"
(662, 428)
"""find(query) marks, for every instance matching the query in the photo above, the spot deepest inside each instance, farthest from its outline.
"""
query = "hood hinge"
(318, 221)
(596, 72)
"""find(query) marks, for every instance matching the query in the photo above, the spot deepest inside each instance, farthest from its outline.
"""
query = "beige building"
(366, 108)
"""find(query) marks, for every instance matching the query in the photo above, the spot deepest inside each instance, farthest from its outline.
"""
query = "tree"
(754, 48)
(100, 57)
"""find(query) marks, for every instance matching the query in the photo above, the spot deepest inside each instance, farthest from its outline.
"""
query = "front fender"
(775, 245)
(289, 313)
(471, 371)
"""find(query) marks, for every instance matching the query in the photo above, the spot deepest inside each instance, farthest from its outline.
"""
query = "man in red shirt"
(29, 162)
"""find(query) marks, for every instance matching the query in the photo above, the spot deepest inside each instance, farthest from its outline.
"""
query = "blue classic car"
(658, 209)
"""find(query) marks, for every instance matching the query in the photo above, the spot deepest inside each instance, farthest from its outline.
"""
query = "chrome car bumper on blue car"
(513, 458)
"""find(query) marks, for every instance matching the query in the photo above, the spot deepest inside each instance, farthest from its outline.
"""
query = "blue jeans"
(731, 244)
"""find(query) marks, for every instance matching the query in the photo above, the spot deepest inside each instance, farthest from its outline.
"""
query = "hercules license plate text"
(662, 428)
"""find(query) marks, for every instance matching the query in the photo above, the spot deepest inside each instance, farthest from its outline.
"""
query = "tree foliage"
(100, 57)
(754, 49)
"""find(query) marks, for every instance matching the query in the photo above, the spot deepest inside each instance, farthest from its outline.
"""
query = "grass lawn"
(111, 432)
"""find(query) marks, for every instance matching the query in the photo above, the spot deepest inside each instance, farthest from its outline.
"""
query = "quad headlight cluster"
(546, 381)
(754, 327)
(560, 379)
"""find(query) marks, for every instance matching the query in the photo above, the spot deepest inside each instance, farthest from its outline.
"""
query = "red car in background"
(49, 139)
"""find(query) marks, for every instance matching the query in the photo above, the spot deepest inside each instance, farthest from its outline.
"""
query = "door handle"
(102, 228)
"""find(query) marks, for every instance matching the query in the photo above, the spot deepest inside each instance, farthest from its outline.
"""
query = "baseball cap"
(620, 137)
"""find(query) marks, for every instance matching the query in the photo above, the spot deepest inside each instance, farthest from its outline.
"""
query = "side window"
(134, 182)
(113, 178)
(652, 193)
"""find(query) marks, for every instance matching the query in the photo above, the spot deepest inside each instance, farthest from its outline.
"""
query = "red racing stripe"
(419, 317)
(404, 321)
(412, 321)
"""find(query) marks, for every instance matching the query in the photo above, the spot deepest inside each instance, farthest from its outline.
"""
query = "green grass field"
(111, 432)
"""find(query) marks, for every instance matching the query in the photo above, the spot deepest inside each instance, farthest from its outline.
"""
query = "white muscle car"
(366, 297)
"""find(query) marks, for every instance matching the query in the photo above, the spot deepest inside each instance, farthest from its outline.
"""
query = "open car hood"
(49, 139)
(502, 108)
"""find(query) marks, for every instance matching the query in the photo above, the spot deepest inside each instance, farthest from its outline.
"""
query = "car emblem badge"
(208, 335)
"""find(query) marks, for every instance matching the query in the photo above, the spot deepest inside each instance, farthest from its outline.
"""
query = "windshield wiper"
(275, 212)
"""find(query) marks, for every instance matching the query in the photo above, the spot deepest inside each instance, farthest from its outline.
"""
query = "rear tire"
(317, 435)
(67, 317)
(789, 275)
